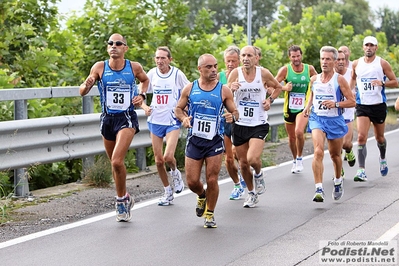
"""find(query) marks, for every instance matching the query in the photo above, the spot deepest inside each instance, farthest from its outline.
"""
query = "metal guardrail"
(27, 142)
(45, 140)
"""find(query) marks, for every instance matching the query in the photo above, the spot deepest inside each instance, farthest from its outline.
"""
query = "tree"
(361, 20)
(311, 33)
(262, 14)
(234, 12)
(224, 13)
(295, 8)
(389, 24)
(145, 24)
(33, 47)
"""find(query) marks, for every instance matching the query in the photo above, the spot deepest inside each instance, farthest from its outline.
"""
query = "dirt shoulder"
(56, 206)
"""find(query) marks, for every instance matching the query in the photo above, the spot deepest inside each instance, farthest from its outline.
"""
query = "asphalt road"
(284, 229)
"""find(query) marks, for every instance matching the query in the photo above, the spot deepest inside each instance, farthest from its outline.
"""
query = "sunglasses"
(117, 43)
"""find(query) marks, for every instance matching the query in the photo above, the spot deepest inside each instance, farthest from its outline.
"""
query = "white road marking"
(390, 234)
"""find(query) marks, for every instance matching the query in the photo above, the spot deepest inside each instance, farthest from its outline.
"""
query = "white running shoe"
(178, 184)
(166, 199)
(251, 201)
(293, 169)
(299, 165)
(260, 185)
(123, 208)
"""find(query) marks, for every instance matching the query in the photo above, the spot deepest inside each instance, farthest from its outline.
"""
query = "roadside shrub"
(6, 192)
(130, 162)
(54, 174)
(100, 174)
(5, 184)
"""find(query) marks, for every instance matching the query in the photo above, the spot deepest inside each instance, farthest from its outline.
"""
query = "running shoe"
(209, 220)
(299, 165)
(350, 157)
(123, 208)
(383, 167)
(251, 201)
(260, 184)
(360, 176)
(166, 199)
(242, 182)
(338, 190)
(342, 174)
(178, 184)
(200, 209)
(237, 192)
(129, 202)
(293, 168)
(319, 195)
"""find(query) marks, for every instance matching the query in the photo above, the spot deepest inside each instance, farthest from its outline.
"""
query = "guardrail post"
(274, 134)
(88, 105)
(87, 108)
(21, 183)
(141, 158)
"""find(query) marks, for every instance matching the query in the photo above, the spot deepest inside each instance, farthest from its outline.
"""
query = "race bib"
(296, 100)
(162, 98)
(367, 90)
(249, 111)
(204, 126)
(321, 109)
(118, 97)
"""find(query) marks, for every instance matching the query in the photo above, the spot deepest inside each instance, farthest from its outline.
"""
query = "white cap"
(370, 39)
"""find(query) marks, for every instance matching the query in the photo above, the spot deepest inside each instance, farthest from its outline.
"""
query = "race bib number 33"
(118, 98)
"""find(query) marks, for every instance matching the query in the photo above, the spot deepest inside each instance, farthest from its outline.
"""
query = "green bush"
(100, 174)
(5, 184)
(6, 189)
(54, 174)
(180, 152)
(130, 162)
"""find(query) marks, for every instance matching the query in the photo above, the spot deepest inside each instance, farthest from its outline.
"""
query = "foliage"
(151, 28)
(53, 174)
(7, 79)
(361, 20)
(5, 184)
(311, 33)
(227, 13)
(6, 110)
(295, 8)
(180, 153)
(6, 193)
(389, 24)
(100, 174)
(32, 47)
(262, 14)
(130, 162)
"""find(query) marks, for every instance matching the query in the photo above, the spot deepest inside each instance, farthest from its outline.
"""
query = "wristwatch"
(271, 99)
(336, 104)
(143, 95)
(383, 82)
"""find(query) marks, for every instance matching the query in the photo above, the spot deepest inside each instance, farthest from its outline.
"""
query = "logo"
(358, 252)
(218, 149)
